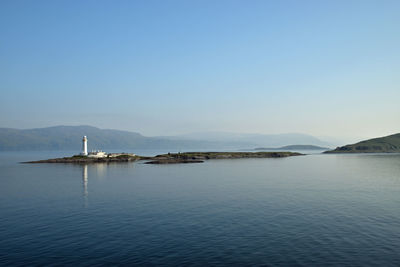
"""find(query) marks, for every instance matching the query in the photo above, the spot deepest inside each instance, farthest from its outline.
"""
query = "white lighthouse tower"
(84, 146)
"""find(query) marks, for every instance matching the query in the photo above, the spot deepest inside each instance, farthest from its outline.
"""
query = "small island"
(170, 158)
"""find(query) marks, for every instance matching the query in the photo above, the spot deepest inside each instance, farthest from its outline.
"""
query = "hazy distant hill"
(253, 140)
(69, 138)
(387, 144)
(294, 147)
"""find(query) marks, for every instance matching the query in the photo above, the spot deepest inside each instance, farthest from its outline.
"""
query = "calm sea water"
(339, 210)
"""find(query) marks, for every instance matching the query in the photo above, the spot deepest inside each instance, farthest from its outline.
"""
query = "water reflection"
(85, 184)
(98, 171)
(85, 180)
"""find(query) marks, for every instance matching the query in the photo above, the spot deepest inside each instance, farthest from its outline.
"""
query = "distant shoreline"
(291, 148)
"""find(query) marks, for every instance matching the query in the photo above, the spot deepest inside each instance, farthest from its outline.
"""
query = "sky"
(325, 68)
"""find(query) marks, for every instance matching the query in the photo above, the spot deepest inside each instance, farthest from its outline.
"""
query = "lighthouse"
(84, 146)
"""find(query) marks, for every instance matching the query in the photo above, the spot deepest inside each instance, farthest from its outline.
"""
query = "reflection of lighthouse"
(85, 184)
(84, 146)
(85, 180)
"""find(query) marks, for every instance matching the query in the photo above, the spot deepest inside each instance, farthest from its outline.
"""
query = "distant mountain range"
(265, 140)
(386, 144)
(69, 138)
(293, 147)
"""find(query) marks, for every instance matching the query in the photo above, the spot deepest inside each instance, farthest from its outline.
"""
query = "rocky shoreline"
(86, 160)
(170, 158)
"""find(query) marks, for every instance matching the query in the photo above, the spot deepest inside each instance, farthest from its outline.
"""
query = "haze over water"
(308, 210)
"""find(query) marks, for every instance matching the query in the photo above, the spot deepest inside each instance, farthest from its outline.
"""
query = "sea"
(312, 210)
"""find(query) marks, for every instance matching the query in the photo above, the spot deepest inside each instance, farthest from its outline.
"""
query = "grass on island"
(125, 156)
(78, 157)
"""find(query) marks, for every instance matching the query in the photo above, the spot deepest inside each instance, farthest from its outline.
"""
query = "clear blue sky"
(326, 68)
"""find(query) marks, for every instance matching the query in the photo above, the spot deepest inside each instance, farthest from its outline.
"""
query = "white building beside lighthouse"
(99, 153)
(84, 146)
(94, 153)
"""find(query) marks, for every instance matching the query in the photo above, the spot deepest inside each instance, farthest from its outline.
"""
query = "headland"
(386, 144)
